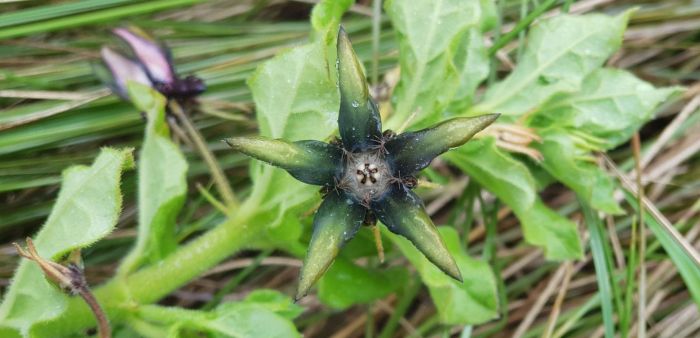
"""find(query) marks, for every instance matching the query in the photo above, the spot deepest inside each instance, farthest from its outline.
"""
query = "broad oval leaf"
(560, 52)
(612, 104)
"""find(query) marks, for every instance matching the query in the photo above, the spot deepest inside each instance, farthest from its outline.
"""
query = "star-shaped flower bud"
(369, 173)
(151, 65)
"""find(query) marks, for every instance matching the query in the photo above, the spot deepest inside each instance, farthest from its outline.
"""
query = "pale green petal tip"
(466, 127)
(276, 152)
(352, 82)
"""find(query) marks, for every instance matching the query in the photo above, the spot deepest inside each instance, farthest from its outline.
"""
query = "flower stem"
(102, 322)
(222, 184)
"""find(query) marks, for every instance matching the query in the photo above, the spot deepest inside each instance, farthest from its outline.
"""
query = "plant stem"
(102, 322)
(156, 281)
(641, 313)
(520, 26)
(222, 184)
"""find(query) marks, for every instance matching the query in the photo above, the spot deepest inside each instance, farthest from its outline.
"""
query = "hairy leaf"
(472, 302)
(162, 183)
(86, 210)
(560, 52)
(512, 182)
(430, 35)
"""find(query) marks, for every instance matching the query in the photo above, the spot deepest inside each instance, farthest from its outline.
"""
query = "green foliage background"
(560, 89)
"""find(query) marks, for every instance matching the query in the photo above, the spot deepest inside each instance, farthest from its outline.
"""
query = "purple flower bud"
(123, 70)
(153, 57)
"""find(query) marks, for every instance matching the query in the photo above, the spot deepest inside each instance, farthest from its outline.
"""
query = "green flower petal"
(358, 120)
(413, 151)
(403, 213)
(335, 223)
(312, 162)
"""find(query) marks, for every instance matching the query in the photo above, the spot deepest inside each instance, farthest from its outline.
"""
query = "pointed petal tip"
(456, 275)
(229, 141)
(486, 119)
(299, 296)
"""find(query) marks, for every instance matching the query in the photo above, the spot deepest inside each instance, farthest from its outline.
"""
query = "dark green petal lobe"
(403, 213)
(358, 120)
(312, 162)
(335, 223)
(413, 151)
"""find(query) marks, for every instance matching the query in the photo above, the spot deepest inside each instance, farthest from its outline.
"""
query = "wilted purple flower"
(151, 66)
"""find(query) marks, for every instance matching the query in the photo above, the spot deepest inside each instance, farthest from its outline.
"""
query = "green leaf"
(296, 99)
(472, 63)
(584, 177)
(489, 15)
(560, 52)
(162, 183)
(264, 313)
(274, 301)
(612, 104)
(346, 284)
(431, 34)
(472, 302)
(512, 182)
(326, 16)
(86, 210)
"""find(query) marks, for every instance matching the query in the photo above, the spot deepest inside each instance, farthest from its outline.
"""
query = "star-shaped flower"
(366, 174)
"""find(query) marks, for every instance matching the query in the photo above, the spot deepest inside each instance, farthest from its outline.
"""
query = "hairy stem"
(102, 322)
(150, 284)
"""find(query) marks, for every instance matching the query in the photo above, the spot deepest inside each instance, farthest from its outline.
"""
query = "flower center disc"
(366, 176)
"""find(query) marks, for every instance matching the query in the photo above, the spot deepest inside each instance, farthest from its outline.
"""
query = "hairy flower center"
(366, 176)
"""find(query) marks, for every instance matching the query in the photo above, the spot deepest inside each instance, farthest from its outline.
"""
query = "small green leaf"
(162, 183)
(473, 301)
(586, 178)
(346, 284)
(512, 182)
(560, 52)
(431, 34)
(86, 210)
(295, 96)
(612, 104)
